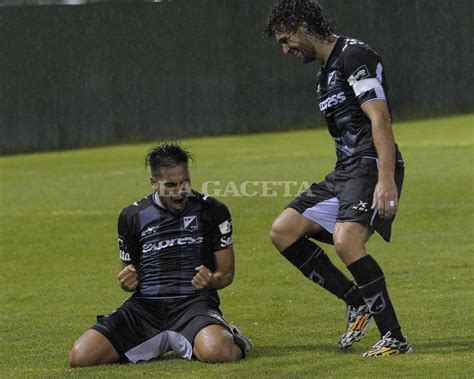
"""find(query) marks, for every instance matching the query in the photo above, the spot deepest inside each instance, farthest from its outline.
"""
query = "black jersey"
(352, 76)
(166, 248)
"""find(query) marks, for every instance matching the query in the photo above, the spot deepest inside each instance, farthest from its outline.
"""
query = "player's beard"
(304, 54)
(308, 56)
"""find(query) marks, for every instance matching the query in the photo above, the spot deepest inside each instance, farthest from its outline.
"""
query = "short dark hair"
(166, 154)
(288, 15)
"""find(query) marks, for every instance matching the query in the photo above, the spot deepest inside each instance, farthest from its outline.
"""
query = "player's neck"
(157, 200)
(324, 48)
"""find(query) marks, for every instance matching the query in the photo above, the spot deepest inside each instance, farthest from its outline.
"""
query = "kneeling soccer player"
(176, 250)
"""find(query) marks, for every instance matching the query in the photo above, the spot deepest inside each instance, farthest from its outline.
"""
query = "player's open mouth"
(297, 53)
(178, 201)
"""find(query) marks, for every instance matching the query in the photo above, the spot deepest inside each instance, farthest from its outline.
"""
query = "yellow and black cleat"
(389, 346)
(358, 321)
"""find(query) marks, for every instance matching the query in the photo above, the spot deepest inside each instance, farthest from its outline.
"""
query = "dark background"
(97, 74)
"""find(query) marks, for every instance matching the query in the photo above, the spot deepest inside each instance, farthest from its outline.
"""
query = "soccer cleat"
(359, 319)
(240, 340)
(389, 346)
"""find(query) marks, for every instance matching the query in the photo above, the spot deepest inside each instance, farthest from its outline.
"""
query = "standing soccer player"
(176, 250)
(361, 195)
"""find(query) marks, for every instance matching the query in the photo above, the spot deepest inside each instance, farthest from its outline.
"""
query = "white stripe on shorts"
(160, 344)
(324, 213)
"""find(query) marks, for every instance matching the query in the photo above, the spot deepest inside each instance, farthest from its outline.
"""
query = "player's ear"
(154, 183)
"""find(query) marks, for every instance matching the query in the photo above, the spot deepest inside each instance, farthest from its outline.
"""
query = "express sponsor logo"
(156, 246)
(332, 101)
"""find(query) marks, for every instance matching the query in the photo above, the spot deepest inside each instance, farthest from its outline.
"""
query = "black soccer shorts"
(346, 194)
(143, 329)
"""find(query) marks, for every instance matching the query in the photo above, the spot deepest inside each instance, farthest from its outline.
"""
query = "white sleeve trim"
(365, 85)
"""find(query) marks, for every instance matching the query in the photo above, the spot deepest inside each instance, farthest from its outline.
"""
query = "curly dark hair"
(287, 15)
(166, 154)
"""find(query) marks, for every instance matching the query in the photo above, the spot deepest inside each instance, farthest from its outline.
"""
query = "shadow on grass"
(444, 345)
(279, 350)
(430, 346)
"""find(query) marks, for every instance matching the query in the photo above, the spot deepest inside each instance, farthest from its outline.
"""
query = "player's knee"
(218, 351)
(281, 235)
(78, 357)
(342, 245)
(348, 250)
(274, 236)
(92, 349)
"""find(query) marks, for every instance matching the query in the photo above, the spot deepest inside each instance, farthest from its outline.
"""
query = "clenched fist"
(203, 279)
(128, 278)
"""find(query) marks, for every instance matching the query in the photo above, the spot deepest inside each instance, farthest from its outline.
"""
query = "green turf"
(59, 259)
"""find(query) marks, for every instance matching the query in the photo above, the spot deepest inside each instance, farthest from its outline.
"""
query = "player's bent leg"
(313, 263)
(215, 344)
(289, 227)
(91, 349)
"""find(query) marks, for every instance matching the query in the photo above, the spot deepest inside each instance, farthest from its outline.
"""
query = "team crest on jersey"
(190, 223)
(331, 79)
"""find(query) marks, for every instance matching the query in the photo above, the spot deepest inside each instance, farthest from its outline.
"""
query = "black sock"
(313, 262)
(371, 281)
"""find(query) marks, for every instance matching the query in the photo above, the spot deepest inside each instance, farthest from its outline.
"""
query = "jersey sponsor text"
(125, 256)
(332, 101)
(226, 242)
(159, 245)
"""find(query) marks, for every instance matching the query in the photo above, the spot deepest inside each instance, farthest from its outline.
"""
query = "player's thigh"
(292, 223)
(92, 348)
(215, 343)
(355, 191)
(355, 188)
(136, 329)
(310, 213)
(354, 232)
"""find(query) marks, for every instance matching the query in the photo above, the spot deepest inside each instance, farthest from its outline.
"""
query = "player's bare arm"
(385, 198)
(221, 277)
(128, 278)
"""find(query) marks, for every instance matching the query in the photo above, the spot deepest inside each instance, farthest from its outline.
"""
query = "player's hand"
(385, 198)
(203, 279)
(128, 278)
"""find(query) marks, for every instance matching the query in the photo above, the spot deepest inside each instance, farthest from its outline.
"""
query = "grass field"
(59, 259)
